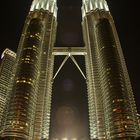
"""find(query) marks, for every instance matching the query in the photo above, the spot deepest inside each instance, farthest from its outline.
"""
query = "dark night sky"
(126, 16)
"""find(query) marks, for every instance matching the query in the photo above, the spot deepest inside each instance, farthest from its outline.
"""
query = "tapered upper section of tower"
(90, 5)
(9, 52)
(49, 5)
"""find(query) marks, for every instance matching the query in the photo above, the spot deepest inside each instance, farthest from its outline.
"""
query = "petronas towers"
(111, 105)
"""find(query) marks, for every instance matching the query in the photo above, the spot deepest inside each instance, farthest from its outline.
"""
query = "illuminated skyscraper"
(8, 58)
(111, 105)
(109, 86)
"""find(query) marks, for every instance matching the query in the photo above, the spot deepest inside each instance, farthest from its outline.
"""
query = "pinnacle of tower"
(49, 5)
(89, 5)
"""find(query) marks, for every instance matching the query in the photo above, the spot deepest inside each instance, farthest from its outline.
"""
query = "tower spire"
(90, 5)
(49, 5)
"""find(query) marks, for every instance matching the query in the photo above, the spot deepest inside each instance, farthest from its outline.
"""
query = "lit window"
(21, 127)
(114, 110)
(31, 36)
(125, 126)
(26, 97)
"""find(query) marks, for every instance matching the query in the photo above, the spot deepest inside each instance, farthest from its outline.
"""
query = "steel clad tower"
(29, 111)
(112, 112)
(8, 58)
(111, 105)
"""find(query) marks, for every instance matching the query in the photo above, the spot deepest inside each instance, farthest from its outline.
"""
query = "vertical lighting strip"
(90, 85)
(97, 131)
(49, 78)
(43, 108)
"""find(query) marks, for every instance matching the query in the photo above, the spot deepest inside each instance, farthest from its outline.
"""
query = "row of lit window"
(103, 47)
(27, 60)
(9, 52)
(18, 122)
(24, 81)
(31, 58)
(34, 48)
(117, 100)
(129, 122)
(17, 127)
(119, 120)
(37, 35)
(29, 33)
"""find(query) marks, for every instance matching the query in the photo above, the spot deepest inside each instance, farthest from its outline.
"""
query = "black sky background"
(126, 16)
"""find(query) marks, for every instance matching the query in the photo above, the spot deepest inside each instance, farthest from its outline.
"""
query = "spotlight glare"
(64, 139)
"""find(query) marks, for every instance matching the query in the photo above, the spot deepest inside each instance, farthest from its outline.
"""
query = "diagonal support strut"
(64, 61)
(75, 62)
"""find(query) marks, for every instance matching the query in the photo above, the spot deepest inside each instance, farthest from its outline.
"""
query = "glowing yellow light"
(26, 124)
(21, 127)
(64, 139)
(9, 52)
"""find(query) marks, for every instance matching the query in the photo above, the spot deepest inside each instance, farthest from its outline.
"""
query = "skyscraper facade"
(111, 105)
(110, 82)
(8, 58)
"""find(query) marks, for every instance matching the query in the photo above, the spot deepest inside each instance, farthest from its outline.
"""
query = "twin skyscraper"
(111, 105)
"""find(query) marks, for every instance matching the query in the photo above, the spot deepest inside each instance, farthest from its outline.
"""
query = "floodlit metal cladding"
(114, 120)
(90, 5)
(22, 104)
(6, 69)
(49, 5)
(111, 105)
(9, 52)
